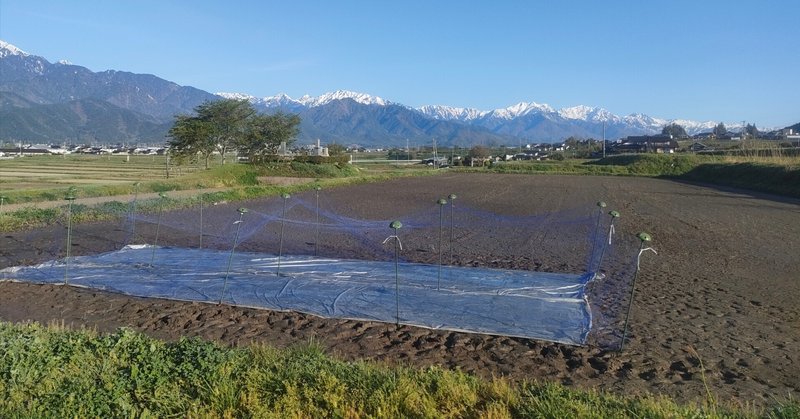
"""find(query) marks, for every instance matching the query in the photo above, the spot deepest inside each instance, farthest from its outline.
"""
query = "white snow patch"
(7, 49)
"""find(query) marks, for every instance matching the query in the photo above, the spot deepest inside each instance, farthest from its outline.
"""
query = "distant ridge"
(528, 121)
(43, 101)
(46, 102)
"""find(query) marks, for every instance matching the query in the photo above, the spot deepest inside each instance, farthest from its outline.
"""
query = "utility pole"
(604, 139)
(166, 163)
(434, 153)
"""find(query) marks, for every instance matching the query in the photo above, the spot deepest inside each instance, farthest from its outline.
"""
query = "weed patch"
(55, 372)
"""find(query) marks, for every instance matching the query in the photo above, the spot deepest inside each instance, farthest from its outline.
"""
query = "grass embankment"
(45, 178)
(53, 372)
(778, 176)
(240, 182)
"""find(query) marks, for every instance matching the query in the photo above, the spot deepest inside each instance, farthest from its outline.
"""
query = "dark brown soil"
(722, 291)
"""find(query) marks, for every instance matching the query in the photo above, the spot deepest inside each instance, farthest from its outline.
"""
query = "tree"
(479, 152)
(229, 120)
(751, 131)
(400, 154)
(228, 124)
(191, 139)
(265, 133)
(572, 141)
(674, 130)
(720, 130)
(336, 149)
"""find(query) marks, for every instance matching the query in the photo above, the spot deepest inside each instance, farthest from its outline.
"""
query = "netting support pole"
(316, 232)
(241, 211)
(601, 205)
(201, 221)
(614, 215)
(70, 198)
(285, 197)
(158, 226)
(2, 201)
(644, 238)
(395, 225)
(452, 222)
(133, 212)
(442, 202)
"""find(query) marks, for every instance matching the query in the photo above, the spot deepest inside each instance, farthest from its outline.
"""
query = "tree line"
(230, 125)
(677, 131)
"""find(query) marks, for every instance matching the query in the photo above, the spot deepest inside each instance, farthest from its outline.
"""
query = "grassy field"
(55, 372)
(26, 182)
(48, 178)
(778, 175)
(43, 178)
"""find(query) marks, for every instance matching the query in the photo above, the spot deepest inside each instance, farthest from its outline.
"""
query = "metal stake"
(602, 205)
(644, 237)
(316, 234)
(614, 215)
(158, 226)
(396, 226)
(442, 202)
(241, 211)
(452, 222)
(201, 221)
(285, 197)
(70, 198)
(133, 216)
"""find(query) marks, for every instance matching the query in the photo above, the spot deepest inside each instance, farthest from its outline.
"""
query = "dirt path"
(722, 289)
(120, 198)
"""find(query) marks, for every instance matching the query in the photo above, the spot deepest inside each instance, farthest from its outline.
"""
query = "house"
(704, 136)
(24, 151)
(646, 144)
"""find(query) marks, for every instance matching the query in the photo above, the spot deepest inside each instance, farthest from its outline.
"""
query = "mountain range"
(62, 102)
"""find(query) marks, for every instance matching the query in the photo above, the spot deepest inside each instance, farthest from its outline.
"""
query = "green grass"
(778, 176)
(762, 177)
(772, 175)
(240, 183)
(54, 372)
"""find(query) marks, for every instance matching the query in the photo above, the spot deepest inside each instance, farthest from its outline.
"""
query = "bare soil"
(717, 305)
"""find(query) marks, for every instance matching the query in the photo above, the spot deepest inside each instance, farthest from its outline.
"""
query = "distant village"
(659, 143)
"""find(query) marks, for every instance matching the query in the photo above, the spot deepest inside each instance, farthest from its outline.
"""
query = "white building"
(318, 150)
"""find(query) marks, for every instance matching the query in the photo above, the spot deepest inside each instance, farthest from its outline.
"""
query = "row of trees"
(675, 130)
(719, 130)
(227, 125)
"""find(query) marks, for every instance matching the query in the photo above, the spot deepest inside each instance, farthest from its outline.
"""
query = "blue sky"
(702, 60)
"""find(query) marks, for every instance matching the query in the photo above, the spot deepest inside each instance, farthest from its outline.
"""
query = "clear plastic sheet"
(537, 305)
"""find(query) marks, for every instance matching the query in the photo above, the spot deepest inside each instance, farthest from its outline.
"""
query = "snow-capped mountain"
(581, 114)
(43, 101)
(28, 82)
(361, 98)
(525, 120)
(519, 110)
(448, 113)
(587, 113)
(283, 99)
(7, 49)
